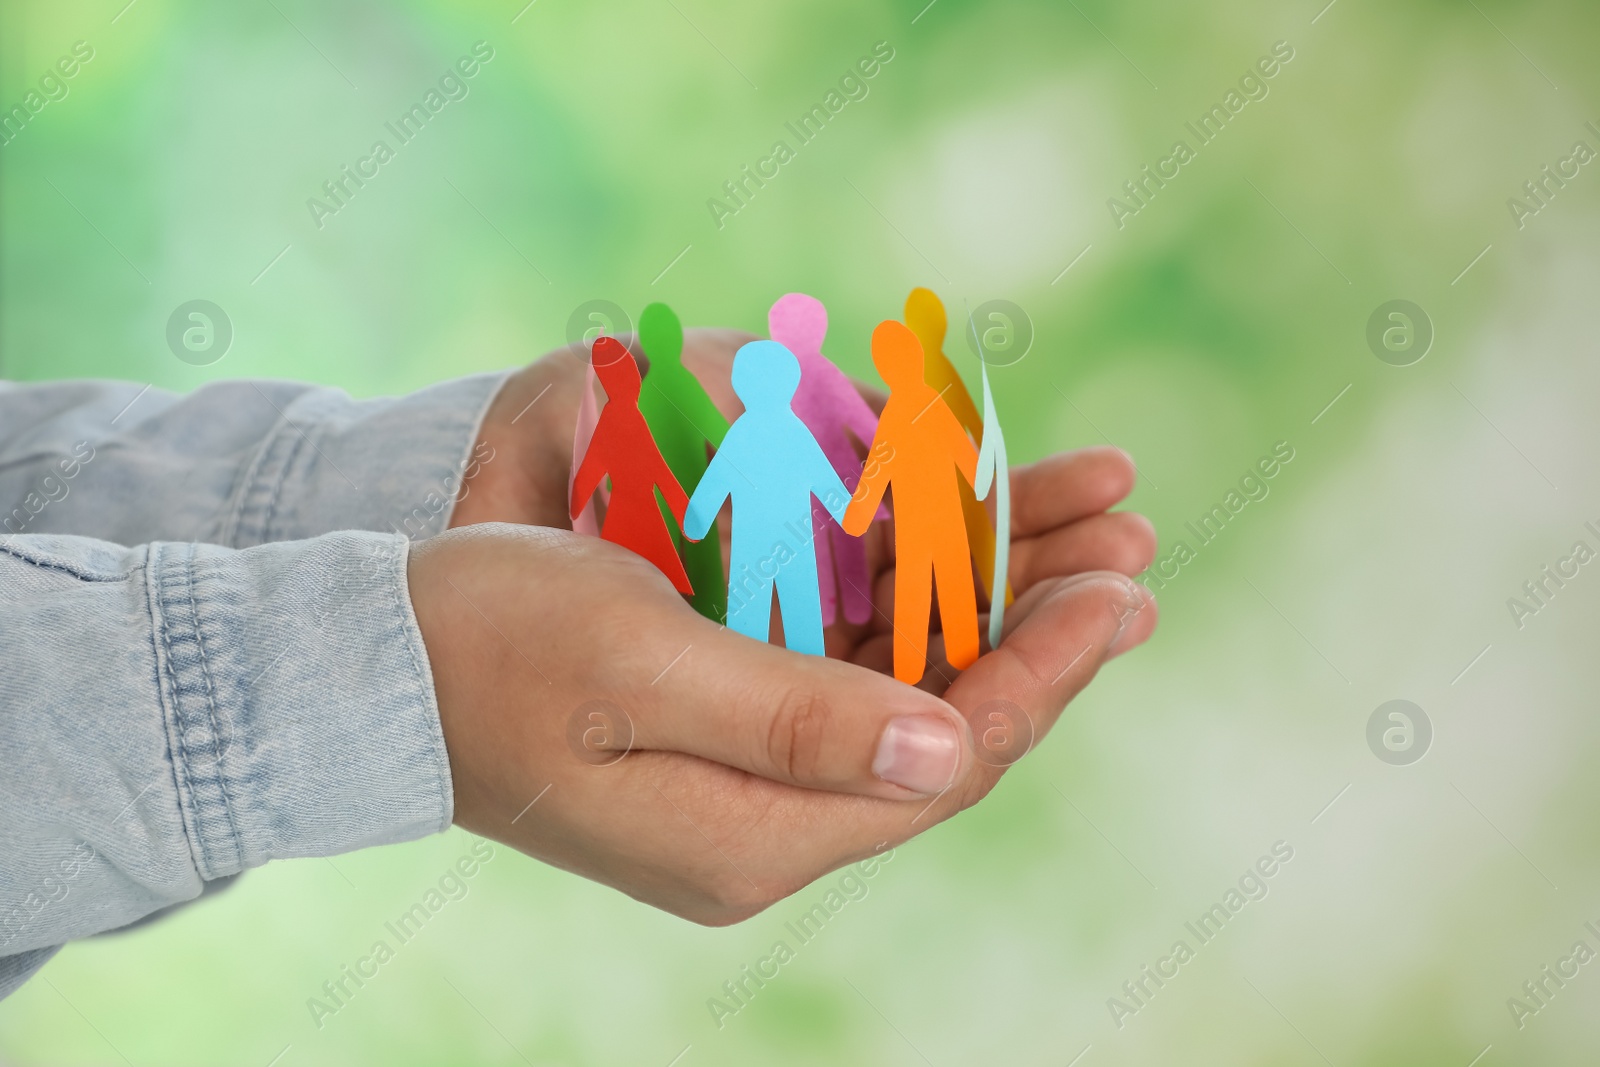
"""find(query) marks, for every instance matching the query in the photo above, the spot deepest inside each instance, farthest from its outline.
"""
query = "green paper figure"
(684, 421)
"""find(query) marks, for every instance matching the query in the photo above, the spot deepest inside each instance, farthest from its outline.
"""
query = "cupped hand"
(751, 770)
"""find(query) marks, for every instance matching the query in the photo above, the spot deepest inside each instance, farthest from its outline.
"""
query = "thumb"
(805, 720)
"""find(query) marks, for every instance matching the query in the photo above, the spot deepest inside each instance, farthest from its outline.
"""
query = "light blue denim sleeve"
(235, 463)
(175, 713)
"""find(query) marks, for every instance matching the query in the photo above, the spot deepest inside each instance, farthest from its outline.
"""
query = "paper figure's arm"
(959, 444)
(698, 409)
(994, 471)
(857, 416)
(714, 488)
(671, 491)
(589, 475)
(986, 466)
(991, 446)
(870, 489)
(826, 485)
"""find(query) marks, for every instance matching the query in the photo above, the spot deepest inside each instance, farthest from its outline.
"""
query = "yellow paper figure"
(925, 315)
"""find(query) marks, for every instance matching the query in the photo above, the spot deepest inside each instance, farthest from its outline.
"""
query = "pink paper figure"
(828, 404)
(587, 520)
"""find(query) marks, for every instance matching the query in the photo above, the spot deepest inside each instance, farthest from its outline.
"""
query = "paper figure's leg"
(633, 527)
(1002, 550)
(669, 522)
(855, 582)
(827, 580)
(800, 605)
(913, 597)
(703, 562)
(750, 602)
(958, 606)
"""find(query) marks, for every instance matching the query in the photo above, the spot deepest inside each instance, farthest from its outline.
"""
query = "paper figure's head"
(661, 335)
(798, 322)
(765, 375)
(897, 354)
(925, 315)
(614, 366)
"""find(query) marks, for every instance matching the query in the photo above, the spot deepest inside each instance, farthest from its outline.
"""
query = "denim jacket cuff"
(298, 699)
(331, 462)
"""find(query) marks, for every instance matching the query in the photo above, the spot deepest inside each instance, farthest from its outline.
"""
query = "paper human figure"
(994, 472)
(916, 455)
(827, 402)
(925, 315)
(585, 521)
(623, 449)
(684, 421)
(770, 467)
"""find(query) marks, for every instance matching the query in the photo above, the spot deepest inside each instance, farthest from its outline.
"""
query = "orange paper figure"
(925, 446)
(623, 448)
(925, 315)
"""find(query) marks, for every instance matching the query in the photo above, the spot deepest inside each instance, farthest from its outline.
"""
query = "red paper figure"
(623, 448)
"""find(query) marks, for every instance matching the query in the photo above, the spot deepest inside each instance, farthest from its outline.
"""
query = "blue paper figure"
(770, 466)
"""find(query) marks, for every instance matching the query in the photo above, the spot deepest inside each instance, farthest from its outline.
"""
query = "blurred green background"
(1225, 316)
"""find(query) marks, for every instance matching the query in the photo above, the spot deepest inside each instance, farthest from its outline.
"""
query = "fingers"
(705, 841)
(1058, 636)
(1064, 488)
(804, 720)
(1120, 541)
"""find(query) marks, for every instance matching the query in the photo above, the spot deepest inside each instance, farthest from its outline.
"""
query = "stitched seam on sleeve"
(167, 687)
(241, 497)
(218, 746)
(277, 487)
(44, 562)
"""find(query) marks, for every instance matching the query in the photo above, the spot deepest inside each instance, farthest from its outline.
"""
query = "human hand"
(794, 741)
(742, 771)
